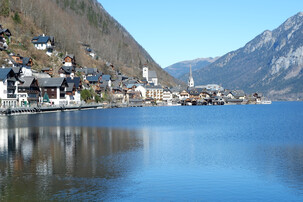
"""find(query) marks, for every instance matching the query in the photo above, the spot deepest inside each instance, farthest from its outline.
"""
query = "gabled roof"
(25, 60)
(75, 80)
(41, 39)
(238, 93)
(70, 87)
(51, 82)
(92, 78)
(152, 74)
(27, 81)
(106, 77)
(17, 70)
(68, 69)
(131, 85)
(70, 55)
(4, 73)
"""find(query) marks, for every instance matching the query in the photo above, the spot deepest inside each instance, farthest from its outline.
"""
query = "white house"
(155, 92)
(8, 86)
(44, 43)
(167, 95)
(142, 90)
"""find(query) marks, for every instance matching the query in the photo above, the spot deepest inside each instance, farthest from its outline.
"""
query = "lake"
(190, 153)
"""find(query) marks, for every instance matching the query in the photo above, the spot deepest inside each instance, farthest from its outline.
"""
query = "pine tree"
(17, 18)
(4, 10)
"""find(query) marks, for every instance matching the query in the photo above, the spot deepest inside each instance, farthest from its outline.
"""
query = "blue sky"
(175, 30)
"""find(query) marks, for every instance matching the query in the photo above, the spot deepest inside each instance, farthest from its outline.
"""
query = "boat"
(266, 102)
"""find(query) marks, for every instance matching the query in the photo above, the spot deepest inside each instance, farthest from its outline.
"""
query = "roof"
(238, 93)
(4, 72)
(51, 82)
(41, 39)
(16, 70)
(92, 78)
(153, 87)
(27, 81)
(152, 74)
(46, 69)
(131, 85)
(69, 55)
(70, 87)
(68, 69)
(25, 60)
(75, 80)
(106, 77)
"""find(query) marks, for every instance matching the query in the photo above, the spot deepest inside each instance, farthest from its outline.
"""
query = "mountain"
(77, 22)
(271, 63)
(179, 69)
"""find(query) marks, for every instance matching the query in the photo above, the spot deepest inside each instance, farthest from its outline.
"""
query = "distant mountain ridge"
(271, 63)
(179, 69)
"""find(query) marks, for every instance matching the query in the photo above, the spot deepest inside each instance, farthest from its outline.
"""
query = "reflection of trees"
(35, 161)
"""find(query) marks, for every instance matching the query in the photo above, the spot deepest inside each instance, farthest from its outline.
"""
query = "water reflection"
(44, 161)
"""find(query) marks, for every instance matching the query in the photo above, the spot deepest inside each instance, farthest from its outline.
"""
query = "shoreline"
(50, 109)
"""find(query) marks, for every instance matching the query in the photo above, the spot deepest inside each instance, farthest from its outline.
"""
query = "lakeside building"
(53, 90)
(8, 86)
(154, 92)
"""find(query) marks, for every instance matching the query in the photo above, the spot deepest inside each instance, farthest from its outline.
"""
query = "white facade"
(155, 93)
(167, 95)
(26, 72)
(142, 91)
(190, 79)
(6, 99)
(145, 73)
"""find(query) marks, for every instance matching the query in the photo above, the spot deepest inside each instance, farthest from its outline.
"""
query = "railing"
(11, 87)
(11, 96)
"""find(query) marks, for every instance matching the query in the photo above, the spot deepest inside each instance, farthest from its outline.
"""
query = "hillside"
(271, 63)
(76, 22)
(179, 69)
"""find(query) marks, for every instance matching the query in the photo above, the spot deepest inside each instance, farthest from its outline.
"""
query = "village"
(23, 87)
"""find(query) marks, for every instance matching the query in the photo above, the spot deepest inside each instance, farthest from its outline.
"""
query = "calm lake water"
(194, 153)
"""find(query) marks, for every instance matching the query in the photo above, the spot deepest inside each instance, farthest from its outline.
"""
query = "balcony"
(11, 96)
(11, 88)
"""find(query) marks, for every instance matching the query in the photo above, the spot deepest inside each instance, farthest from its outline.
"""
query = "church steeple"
(190, 79)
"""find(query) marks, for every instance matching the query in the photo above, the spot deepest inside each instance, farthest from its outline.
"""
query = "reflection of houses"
(28, 91)
(8, 87)
(55, 88)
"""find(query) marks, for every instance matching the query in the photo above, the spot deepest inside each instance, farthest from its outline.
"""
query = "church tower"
(145, 72)
(190, 79)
